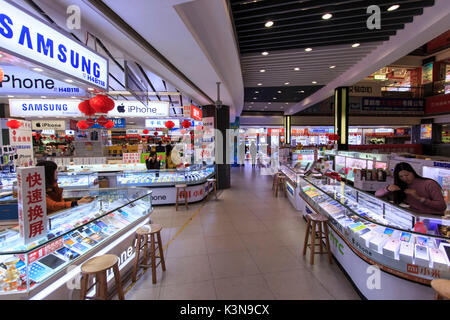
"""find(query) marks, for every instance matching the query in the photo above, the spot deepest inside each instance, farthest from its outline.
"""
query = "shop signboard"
(21, 139)
(20, 81)
(32, 205)
(366, 89)
(52, 108)
(32, 39)
(48, 125)
(438, 104)
(393, 104)
(119, 123)
(131, 157)
(160, 123)
(196, 113)
(130, 109)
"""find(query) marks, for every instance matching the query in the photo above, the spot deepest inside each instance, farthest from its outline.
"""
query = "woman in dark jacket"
(152, 162)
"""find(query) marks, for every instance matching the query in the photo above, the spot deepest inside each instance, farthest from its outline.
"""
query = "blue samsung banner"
(118, 123)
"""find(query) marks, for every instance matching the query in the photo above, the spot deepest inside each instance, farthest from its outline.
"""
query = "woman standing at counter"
(54, 197)
(423, 195)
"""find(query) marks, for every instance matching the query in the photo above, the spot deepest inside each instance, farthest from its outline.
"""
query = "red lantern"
(109, 124)
(86, 108)
(101, 103)
(102, 121)
(14, 124)
(2, 74)
(155, 133)
(145, 131)
(169, 125)
(90, 122)
(186, 124)
(82, 125)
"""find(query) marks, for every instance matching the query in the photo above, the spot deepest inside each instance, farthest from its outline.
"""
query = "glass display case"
(77, 180)
(73, 235)
(412, 246)
(7, 180)
(106, 167)
(169, 177)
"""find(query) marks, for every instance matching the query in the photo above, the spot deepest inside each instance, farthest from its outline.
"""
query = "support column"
(287, 129)
(341, 110)
(221, 123)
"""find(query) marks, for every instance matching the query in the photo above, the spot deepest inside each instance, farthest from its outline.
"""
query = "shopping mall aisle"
(246, 245)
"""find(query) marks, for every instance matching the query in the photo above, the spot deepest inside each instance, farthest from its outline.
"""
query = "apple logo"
(121, 108)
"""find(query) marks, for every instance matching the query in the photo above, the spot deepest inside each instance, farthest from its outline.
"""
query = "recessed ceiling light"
(281, 107)
(268, 24)
(256, 91)
(278, 91)
(252, 102)
(302, 91)
(91, 89)
(296, 68)
(314, 82)
(287, 102)
(286, 83)
(308, 49)
(332, 67)
(254, 98)
(327, 16)
(262, 70)
(393, 7)
(69, 80)
(356, 45)
(10, 96)
(274, 98)
(38, 69)
(259, 84)
(264, 53)
(270, 102)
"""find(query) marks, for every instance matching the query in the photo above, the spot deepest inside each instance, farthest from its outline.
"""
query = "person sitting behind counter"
(423, 195)
(152, 162)
(54, 193)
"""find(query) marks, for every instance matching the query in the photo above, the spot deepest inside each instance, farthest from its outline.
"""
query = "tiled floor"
(245, 246)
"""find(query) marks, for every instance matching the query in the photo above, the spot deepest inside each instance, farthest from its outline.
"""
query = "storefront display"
(366, 230)
(44, 269)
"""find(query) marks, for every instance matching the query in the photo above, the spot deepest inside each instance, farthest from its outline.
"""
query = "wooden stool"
(178, 187)
(142, 235)
(98, 267)
(281, 184)
(275, 179)
(214, 183)
(441, 288)
(319, 221)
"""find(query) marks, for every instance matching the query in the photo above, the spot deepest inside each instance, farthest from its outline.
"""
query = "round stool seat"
(180, 186)
(317, 217)
(442, 287)
(146, 230)
(100, 263)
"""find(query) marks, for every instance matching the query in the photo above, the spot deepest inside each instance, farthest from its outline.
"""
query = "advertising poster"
(427, 73)
(425, 131)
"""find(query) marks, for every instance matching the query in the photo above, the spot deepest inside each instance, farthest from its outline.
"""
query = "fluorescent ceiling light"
(286, 83)
(264, 53)
(38, 69)
(393, 7)
(296, 68)
(279, 91)
(314, 82)
(268, 24)
(327, 16)
(69, 80)
(308, 49)
(356, 45)
(259, 84)
(262, 70)
(332, 67)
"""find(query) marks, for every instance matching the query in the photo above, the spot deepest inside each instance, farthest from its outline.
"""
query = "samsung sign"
(30, 38)
(44, 107)
(137, 109)
(22, 81)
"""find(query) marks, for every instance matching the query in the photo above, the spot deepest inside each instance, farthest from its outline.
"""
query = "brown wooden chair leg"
(176, 201)
(313, 242)
(161, 252)
(153, 258)
(118, 282)
(136, 258)
(320, 237)
(145, 261)
(215, 189)
(101, 285)
(327, 241)
(185, 198)
(308, 229)
(84, 285)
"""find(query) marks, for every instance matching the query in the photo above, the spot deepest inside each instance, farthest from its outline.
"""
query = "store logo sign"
(50, 124)
(30, 38)
(44, 107)
(118, 123)
(160, 123)
(138, 109)
(442, 164)
(21, 81)
(196, 113)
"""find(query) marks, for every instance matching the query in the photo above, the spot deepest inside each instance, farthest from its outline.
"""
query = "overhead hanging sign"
(196, 113)
(160, 123)
(22, 81)
(137, 109)
(48, 125)
(44, 107)
(365, 90)
(118, 123)
(24, 35)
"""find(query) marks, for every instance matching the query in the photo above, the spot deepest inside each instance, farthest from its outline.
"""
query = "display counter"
(367, 231)
(50, 268)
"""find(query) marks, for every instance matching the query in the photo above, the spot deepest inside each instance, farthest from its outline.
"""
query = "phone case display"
(193, 175)
(381, 231)
(77, 180)
(72, 233)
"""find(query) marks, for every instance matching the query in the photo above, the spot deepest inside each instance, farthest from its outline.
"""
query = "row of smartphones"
(75, 244)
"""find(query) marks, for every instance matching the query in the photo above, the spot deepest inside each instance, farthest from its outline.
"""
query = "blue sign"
(290, 189)
(442, 164)
(118, 123)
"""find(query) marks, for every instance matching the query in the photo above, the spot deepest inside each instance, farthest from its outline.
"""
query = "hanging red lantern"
(186, 124)
(145, 131)
(90, 122)
(102, 121)
(82, 125)
(155, 133)
(109, 124)
(86, 108)
(2, 74)
(101, 103)
(169, 125)
(14, 124)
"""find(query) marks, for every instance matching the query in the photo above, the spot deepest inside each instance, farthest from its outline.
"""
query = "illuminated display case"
(366, 230)
(73, 236)
(6, 182)
(77, 180)
(169, 177)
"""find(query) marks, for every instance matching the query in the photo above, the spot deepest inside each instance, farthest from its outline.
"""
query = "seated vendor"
(54, 197)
